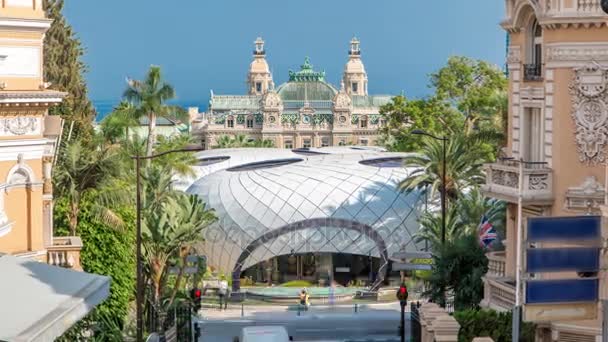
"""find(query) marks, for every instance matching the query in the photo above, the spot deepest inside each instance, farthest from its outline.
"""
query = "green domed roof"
(306, 85)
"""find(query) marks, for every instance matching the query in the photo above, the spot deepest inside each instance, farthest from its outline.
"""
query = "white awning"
(39, 302)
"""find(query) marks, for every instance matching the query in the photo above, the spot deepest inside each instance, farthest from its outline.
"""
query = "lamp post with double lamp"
(139, 294)
(443, 185)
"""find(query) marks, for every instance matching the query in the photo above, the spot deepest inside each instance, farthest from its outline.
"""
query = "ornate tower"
(259, 78)
(355, 77)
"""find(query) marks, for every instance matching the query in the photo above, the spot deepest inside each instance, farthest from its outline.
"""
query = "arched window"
(230, 122)
(363, 121)
(250, 121)
(534, 55)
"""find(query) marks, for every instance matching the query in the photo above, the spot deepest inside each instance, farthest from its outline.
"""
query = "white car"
(271, 333)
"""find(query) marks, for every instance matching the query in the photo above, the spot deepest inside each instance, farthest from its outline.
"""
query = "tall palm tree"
(463, 167)
(149, 97)
(82, 169)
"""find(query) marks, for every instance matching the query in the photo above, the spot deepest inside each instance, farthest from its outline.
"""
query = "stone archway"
(312, 223)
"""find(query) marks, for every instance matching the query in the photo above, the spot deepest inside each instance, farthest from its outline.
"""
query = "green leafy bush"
(106, 251)
(497, 325)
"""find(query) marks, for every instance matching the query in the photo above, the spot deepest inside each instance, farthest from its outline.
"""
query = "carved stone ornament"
(590, 113)
(272, 101)
(20, 125)
(342, 101)
(587, 196)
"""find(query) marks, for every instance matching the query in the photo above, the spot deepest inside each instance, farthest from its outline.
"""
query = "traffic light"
(605, 6)
(196, 296)
(402, 293)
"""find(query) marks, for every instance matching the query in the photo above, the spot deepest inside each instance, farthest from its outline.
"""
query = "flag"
(487, 233)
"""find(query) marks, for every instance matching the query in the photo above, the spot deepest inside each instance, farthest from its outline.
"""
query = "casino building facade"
(320, 214)
(306, 111)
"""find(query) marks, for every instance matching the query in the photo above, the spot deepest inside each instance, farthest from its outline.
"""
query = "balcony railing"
(502, 182)
(65, 252)
(498, 295)
(496, 264)
(533, 72)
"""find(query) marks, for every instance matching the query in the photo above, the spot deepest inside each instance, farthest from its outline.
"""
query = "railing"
(592, 6)
(496, 264)
(532, 72)
(499, 294)
(65, 252)
(415, 328)
(502, 181)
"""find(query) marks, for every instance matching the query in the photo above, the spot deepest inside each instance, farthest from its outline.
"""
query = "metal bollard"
(356, 307)
(299, 309)
(242, 310)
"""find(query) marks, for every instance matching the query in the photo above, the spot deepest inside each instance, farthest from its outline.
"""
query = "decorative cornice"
(33, 24)
(575, 54)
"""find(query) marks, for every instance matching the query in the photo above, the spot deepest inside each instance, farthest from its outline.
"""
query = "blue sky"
(204, 44)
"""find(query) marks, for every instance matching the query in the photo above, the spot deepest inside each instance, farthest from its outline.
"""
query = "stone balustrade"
(437, 325)
(499, 294)
(502, 182)
(496, 264)
(65, 252)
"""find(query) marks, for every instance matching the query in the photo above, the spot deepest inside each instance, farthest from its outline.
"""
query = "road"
(322, 325)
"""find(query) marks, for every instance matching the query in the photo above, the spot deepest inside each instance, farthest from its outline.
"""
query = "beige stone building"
(558, 125)
(306, 111)
(28, 140)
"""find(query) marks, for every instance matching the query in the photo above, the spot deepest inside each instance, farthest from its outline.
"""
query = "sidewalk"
(278, 311)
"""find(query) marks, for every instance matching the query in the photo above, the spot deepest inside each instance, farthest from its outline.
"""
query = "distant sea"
(104, 107)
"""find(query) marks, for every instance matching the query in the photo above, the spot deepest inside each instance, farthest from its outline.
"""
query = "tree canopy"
(65, 70)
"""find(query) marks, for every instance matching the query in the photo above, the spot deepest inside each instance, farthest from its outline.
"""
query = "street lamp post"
(443, 186)
(139, 294)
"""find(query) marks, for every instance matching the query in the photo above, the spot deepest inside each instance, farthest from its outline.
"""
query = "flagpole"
(517, 310)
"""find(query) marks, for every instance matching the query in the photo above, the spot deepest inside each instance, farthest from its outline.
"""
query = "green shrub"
(297, 283)
(106, 251)
(497, 325)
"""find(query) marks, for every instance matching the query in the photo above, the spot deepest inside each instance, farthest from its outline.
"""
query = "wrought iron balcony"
(533, 72)
(65, 252)
(502, 182)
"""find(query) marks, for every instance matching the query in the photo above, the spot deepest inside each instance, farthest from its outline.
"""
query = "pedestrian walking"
(332, 293)
(222, 294)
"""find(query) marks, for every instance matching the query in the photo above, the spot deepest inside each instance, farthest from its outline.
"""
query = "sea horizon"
(104, 107)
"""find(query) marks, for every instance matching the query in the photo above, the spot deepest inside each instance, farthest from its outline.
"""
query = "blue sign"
(565, 229)
(562, 259)
(562, 291)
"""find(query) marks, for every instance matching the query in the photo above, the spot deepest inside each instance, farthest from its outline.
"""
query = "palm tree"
(82, 169)
(115, 126)
(430, 228)
(473, 205)
(463, 167)
(224, 141)
(179, 163)
(149, 98)
(170, 232)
